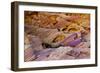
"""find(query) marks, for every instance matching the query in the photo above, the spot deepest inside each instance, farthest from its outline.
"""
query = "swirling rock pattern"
(56, 36)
